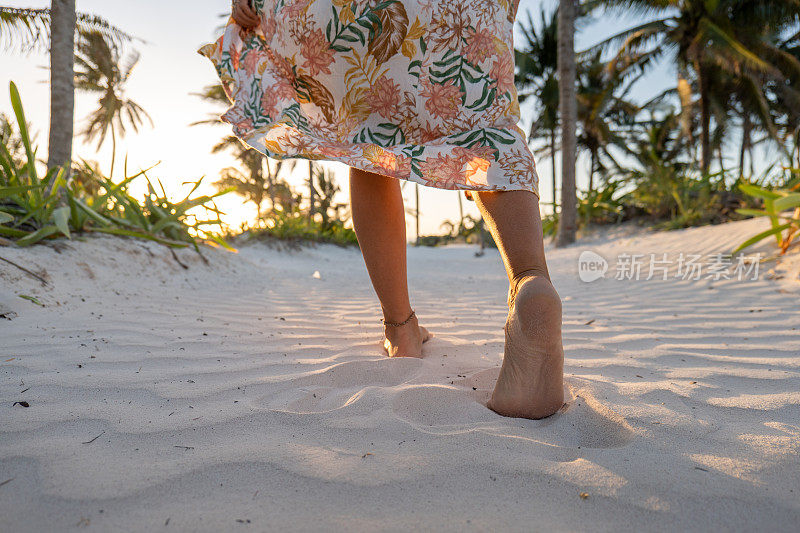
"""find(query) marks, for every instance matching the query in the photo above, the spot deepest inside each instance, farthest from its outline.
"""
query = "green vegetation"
(285, 220)
(26, 28)
(34, 208)
(295, 228)
(100, 69)
(288, 215)
(782, 207)
(686, 157)
(469, 230)
(681, 158)
(56, 30)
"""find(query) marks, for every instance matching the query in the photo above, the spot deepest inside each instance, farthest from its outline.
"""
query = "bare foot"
(405, 341)
(531, 381)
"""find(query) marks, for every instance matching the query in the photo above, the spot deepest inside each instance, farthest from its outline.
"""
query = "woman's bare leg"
(531, 381)
(380, 223)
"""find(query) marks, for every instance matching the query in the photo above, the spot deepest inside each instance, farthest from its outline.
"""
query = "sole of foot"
(406, 341)
(531, 381)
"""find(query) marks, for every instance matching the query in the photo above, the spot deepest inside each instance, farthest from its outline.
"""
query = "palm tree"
(784, 102)
(325, 189)
(661, 163)
(257, 180)
(62, 84)
(603, 112)
(255, 184)
(416, 210)
(311, 200)
(537, 70)
(702, 38)
(102, 70)
(567, 226)
(27, 29)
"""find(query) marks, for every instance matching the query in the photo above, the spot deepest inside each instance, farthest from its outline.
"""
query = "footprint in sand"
(583, 421)
(340, 385)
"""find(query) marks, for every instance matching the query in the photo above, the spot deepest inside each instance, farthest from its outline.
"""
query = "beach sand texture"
(247, 394)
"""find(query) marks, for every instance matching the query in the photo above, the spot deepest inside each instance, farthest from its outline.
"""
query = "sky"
(169, 72)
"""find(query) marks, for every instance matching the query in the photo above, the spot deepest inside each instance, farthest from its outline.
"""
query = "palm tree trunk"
(258, 197)
(705, 117)
(796, 141)
(416, 211)
(311, 199)
(481, 238)
(745, 138)
(685, 94)
(567, 226)
(271, 183)
(460, 213)
(62, 83)
(555, 177)
(113, 151)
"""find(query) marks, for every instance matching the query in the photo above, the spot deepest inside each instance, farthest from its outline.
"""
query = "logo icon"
(591, 266)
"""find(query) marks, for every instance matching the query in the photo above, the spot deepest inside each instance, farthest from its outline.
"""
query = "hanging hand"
(244, 14)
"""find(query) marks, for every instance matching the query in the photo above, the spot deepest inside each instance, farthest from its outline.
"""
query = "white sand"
(246, 395)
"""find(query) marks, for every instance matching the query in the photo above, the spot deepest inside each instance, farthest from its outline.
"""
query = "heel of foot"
(531, 381)
(536, 315)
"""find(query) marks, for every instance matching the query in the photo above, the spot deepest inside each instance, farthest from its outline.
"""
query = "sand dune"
(244, 393)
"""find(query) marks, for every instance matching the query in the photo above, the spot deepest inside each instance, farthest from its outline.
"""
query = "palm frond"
(27, 30)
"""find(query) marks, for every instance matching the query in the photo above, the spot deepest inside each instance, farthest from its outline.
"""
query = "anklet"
(398, 324)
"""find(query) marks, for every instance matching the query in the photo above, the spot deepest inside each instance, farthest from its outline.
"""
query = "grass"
(782, 208)
(295, 228)
(35, 208)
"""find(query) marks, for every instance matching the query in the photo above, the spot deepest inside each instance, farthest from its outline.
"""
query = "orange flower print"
(475, 160)
(335, 150)
(485, 152)
(519, 167)
(429, 134)
(384, 97)
(385, 162)
(317, 52)
(294, 9)
(480, 45)
(281, 68)
(269, 103)
(251, 62)
(442, 171)
(476, 166)
(389, 164)
(421, 90)
(270, 27)
(243, 127)
(295, 142)
(443, 101)
(236, 55)
(503, 73)
(402, 167)
(284, 90)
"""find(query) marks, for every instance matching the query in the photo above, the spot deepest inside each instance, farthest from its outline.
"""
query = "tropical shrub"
(34, 208)
(782, 207)
(295, 227)
(600, 206)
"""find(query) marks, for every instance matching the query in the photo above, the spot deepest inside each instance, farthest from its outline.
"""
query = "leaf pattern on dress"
(421, 90)
(317, 93)
(390, 33)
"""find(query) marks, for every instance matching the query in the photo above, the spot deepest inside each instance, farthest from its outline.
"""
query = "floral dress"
(421, 90)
